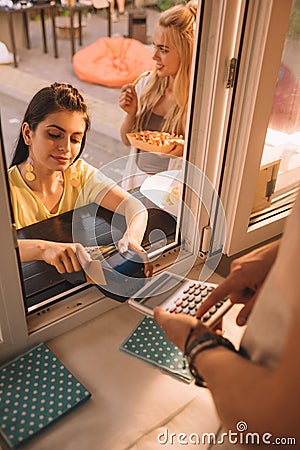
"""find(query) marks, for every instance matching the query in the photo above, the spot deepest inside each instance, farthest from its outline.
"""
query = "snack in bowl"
(154, 141)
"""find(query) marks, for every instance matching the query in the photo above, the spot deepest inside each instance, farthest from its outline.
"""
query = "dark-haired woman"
(47, 176)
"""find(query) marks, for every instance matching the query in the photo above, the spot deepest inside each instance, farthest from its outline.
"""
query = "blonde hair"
(180, 23)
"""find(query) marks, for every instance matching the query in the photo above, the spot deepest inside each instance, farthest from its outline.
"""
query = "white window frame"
(262, 50)
(210, 110)
(12, 318)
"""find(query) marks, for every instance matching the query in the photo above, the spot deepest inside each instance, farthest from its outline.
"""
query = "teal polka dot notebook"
(36, 389)
(149, 343)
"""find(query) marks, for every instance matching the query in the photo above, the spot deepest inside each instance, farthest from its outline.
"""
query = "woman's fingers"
(66, 257)
(126, 97)
(58, 263)
(82, 255)
(177, 150)
(148, 267)
(67, 260)
(123, 244)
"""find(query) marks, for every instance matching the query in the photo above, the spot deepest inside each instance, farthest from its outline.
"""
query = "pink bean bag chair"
(112, 62)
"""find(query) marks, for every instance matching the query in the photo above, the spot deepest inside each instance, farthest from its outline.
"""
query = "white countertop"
(132, 401)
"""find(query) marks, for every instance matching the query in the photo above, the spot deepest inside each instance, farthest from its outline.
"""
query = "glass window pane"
(280, 164)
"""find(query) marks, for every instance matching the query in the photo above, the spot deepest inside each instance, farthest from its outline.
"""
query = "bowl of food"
(154, 141)
(164, 189)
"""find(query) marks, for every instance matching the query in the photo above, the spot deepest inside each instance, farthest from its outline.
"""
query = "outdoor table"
(79, 8)
(25, 10)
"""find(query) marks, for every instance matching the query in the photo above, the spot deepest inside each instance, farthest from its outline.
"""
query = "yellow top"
(29, 209)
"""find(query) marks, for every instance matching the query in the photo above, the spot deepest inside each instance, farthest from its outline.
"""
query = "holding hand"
(64, 257)
(130, 241)
(178, 326)
(128, 99)
(177, 150)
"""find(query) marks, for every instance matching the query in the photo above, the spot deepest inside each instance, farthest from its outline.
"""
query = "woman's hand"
(136, 216)
(244, 281)
(128, 100)
(64, 257)
(130, 241)
(176, 150)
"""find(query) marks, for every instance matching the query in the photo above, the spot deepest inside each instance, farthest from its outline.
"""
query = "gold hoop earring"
(74, 177)
(29, 175)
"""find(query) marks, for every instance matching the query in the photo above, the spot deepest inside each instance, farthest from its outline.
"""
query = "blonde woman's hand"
(176, 150)
(128, 100)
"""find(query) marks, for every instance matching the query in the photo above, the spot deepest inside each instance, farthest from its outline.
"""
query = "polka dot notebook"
(35, 390)
(149, 343)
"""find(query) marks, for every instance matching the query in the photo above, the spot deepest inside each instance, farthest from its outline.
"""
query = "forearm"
(136, 216)
(127, 127)
(241, 390)
(31, 249)
(121, 202)
(63, 256)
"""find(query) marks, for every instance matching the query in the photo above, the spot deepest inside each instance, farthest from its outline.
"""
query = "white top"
(28, 208)
(278, 301)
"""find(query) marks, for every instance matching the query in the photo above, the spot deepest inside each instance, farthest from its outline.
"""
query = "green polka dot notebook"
(36, 389)
(149, 343)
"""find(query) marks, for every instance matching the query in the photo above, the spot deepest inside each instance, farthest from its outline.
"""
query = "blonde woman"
(159, 100)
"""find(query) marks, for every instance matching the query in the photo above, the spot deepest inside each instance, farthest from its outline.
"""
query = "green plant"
(163, 5)
(63, 12)
(294, 23)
